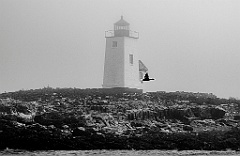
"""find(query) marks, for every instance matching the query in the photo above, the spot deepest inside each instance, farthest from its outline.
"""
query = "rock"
(165, 130)
(80, 131)
(23, 108)
(58, 119)
(154, 128)
(140, 114)
(100, 134)
(51, 127)
(137, 124)
(5, 109)
(18, 124)
(202, 112)
(111, 130)
(65, 127)
(51, 118)
(205, 122)
(66, 132)
(81, 128)
(217, 112)
(236, 117)
(183, 113)
(25, 118)
(70, 119)
(187, 128)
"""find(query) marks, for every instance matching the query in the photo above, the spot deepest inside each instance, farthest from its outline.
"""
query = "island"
(86, 119)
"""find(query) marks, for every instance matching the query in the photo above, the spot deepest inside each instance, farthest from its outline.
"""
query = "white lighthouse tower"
(122, 67)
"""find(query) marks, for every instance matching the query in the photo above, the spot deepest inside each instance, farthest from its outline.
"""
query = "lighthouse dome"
(121, 22)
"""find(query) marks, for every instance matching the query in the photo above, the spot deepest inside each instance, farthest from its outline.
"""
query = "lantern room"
(121, 28)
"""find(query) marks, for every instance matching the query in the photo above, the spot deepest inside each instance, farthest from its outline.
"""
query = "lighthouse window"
(131, 59)
(114, 44)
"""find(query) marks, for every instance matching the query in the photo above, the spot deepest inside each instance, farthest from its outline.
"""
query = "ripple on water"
(15, 152)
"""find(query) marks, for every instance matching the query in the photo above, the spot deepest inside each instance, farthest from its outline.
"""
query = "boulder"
(58, 119)
(136, 124)
(80, 131)
(23, 108)
(179, 113)
(201, 112)
(140, 114)
(5, 109)
(52, 118)
(217, 112)
(183, 113)
(205, 122)
(187, 128)
(236, 117)
(36, 126)
(65, 127)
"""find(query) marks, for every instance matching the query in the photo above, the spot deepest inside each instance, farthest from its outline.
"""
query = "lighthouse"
(122, 67)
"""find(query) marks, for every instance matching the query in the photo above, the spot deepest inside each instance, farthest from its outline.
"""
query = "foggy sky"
(187, 45)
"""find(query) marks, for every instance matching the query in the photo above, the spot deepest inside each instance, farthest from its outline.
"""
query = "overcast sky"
(187, 45)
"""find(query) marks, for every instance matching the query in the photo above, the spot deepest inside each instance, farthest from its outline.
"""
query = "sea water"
(11, 152)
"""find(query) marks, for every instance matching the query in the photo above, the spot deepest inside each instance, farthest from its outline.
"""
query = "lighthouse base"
(120, 90)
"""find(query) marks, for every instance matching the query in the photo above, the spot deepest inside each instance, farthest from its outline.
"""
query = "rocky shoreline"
(73, 119)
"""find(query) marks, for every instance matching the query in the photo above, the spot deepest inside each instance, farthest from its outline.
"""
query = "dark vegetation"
(46, 93)
(66, 119)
